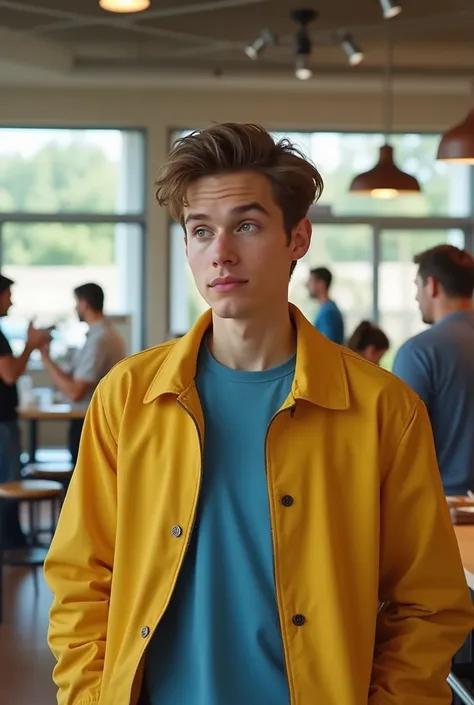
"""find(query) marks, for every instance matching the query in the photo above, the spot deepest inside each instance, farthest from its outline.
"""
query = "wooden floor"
(25, 660)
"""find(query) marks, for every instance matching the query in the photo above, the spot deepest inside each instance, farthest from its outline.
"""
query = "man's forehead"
(244, 185)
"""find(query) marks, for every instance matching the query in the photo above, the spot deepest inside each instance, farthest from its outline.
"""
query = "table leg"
(32, 440)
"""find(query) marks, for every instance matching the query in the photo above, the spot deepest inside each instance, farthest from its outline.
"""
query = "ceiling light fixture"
(302, 70)
(390, 9)
(303, 42)
(457, 144)
(124, 6)
(386, 180)
(265, 39)
(354, 54)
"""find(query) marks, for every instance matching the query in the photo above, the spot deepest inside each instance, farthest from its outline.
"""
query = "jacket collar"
(320, 375)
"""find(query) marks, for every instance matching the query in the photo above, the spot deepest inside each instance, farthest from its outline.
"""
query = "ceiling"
(52, 38)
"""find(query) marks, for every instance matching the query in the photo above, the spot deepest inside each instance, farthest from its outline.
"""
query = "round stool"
(33, 492)
(60, 472)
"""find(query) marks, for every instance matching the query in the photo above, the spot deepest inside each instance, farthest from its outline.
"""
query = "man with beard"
(104, 347)
(439, 362)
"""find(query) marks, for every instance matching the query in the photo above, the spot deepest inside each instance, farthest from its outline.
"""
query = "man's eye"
(200, 232)
(247, 227)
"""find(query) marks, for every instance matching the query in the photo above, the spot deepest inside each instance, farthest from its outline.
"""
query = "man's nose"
(223, 250)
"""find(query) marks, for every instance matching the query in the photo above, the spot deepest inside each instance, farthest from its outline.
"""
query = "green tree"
(78, 177)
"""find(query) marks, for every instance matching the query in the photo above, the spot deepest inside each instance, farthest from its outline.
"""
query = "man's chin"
(427, 320)
(230, 310)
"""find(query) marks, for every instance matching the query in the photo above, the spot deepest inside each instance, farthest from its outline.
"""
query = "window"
(79, 171)
(64, 196)
(341, 156)
(48, 260)
(347, 251)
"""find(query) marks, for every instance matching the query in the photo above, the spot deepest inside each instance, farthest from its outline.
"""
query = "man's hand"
(38, 337)
(11, 368)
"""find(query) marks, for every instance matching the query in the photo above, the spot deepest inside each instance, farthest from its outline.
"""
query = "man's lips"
(226, 283)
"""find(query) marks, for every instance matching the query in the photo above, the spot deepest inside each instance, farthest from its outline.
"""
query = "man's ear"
(433, 286)
(301, 238)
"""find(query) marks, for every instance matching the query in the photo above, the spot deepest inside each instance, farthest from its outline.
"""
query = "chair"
(31, 492)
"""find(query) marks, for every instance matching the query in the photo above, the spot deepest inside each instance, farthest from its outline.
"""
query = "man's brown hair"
(229, 147)
(451, 267)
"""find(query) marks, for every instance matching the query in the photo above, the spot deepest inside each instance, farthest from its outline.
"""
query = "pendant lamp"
(386, 180)
(457, 144)
(124, 6)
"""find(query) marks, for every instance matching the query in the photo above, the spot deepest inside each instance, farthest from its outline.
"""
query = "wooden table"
(465, 537)
(54, 412)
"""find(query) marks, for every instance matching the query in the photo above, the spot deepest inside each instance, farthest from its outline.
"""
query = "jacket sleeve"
(79, 565)
(427, 612)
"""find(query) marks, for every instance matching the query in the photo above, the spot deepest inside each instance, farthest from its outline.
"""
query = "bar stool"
(59, 472)
(31, 492)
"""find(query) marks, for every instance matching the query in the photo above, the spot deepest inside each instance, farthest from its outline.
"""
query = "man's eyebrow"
(238, 210)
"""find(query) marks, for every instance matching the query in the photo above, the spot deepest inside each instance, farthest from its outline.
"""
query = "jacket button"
(287, 500)
(176, 531)
(298, 620)
(145, 631)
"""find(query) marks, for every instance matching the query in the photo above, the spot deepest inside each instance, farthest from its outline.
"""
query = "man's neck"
(252, 345)
(323, 299)
(94, 317)
(449, 306)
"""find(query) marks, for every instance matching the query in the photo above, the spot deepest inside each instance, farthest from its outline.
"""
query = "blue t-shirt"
(329, 322)
(219, 642)
(439, 365)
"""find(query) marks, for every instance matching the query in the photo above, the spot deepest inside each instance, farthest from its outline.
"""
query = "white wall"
(159, 111)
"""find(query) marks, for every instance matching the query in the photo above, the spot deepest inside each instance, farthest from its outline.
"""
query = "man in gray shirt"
(439, 363)
(104, 347)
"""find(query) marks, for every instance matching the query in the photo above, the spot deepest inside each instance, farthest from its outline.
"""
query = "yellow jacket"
(352, 445)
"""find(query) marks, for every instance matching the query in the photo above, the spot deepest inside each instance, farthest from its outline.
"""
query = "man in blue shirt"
(329, 320)
(439, 363)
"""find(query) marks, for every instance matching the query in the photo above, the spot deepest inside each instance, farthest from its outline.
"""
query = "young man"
(246, 495)
(329, 320)
(104, 347)
(439, 363)
(11, 368)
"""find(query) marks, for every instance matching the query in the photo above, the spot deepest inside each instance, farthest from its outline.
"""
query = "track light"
(302, 70)
(390, 9)
(351, 50)
(124, 5)
(303, 42)
(265, 39)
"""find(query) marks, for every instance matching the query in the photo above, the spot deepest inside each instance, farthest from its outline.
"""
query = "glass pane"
(347, 251)
(341, 156)
(47, 261)
(82, 171)
(399, 314)
(185, 302)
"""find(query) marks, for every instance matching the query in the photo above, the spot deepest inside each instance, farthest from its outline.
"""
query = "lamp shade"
(124, 5)
(457, 144)
(385, 180)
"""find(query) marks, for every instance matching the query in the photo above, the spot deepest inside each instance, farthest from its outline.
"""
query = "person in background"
(11, 368)
(329, 320)
(439, 362)
(104, 347)
(245, 495)
(369, 341)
